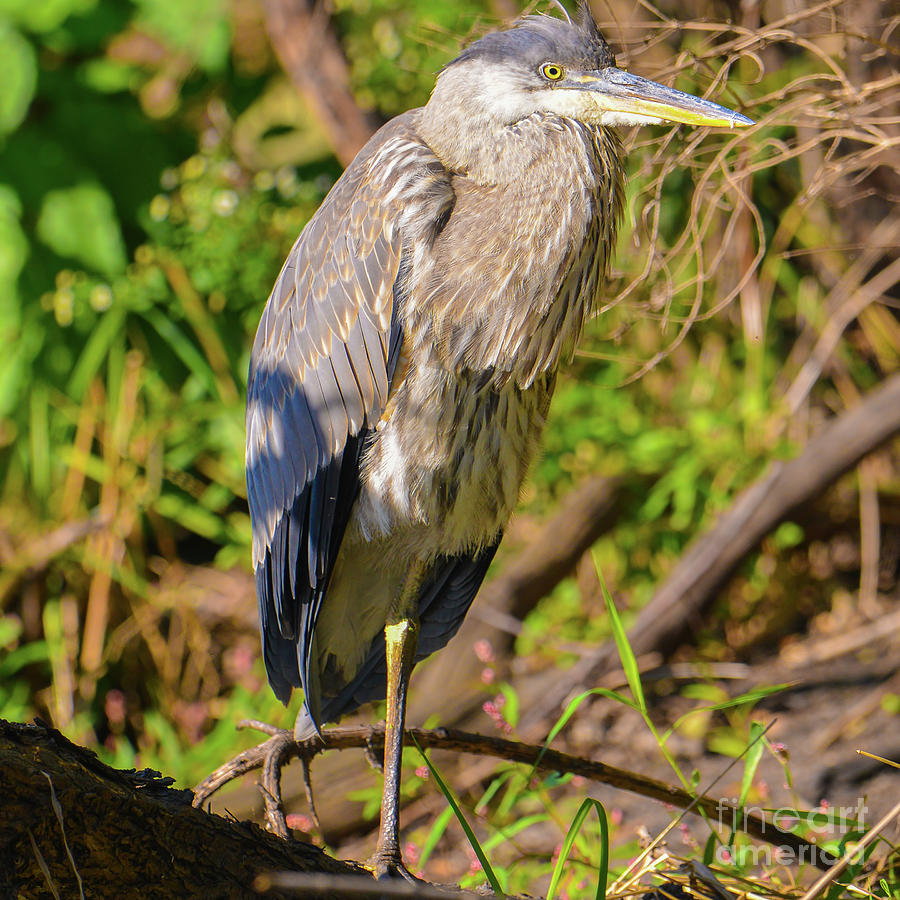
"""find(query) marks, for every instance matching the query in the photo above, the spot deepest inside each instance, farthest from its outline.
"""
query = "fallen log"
(71, 826)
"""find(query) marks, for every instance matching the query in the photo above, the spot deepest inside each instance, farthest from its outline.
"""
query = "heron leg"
(400, 638)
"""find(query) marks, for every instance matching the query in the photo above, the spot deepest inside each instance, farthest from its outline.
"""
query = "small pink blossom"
(492, 708)
(299, 822)
(484, 651)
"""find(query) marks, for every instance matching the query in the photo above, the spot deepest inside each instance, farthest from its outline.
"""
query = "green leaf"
(44, 15)
(10, 629)
(709, 849)
(587, 805)
(732, 703)
(511, 706)
(626, 654)
(13, 253)
(489, 873)
(18, 75)
(570, 710)
(182, 345)
(200, 28)
(36, 651)
(80, 223)
(95, 350)
(751, 760)
(437, 831)
(507, 834)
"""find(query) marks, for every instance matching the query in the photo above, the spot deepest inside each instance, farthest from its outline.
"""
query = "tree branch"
(541, 758)
(310, 54)
(708, 563)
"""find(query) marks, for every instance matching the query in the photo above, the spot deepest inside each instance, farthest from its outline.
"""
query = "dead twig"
(309, 51)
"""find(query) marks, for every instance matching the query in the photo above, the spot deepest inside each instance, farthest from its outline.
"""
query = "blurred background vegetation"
(156, 164)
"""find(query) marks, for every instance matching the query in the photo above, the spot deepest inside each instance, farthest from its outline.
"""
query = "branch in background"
(32, 559)
(707, 564)
(309, 52)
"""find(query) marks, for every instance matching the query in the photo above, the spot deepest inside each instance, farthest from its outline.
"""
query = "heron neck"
(534, 274)
(486, 152)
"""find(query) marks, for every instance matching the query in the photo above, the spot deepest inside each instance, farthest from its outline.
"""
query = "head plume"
(587, 22)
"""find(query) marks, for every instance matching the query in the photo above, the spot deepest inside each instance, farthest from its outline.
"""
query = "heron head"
(558, 67)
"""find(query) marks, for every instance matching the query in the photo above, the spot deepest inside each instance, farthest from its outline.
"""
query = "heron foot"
(270, 756)
(386, 864)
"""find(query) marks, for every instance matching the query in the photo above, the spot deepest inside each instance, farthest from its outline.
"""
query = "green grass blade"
(751, 761)
(436, 833)
(95, 350)
(184, 348)
(39, 429)
(732, 703)
(507, 833)
(492, 789)
(573, 705)
(583, 810)
(570, 711)
(626, 654)
(489, 873)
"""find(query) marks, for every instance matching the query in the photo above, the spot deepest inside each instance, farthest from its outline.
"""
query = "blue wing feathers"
(322, 363)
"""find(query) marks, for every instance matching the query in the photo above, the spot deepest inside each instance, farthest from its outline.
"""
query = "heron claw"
(270, 756)
(389, 865)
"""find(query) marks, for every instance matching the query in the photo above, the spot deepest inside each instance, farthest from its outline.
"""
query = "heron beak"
(624, 97)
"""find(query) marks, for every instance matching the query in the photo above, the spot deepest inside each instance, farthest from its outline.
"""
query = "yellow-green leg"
(400, 638)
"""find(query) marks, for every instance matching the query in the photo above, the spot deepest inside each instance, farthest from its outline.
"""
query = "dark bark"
(123, 834)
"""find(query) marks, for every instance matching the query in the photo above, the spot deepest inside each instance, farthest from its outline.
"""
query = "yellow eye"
(552, 72)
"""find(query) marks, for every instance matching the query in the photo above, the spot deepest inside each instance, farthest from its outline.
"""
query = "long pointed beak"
(628, 97)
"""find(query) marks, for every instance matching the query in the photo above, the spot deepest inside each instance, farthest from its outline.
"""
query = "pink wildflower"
(484, 651)
(299, 822)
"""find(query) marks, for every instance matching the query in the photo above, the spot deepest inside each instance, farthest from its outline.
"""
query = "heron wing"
(320, 375)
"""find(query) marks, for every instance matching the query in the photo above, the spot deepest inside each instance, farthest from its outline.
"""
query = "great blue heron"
(405, 360)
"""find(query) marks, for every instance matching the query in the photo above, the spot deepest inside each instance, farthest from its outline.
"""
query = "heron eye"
(552, 72)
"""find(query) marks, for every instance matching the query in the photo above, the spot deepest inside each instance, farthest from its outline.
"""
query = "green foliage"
(79, 223)
(18, 74)
(396, 48)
